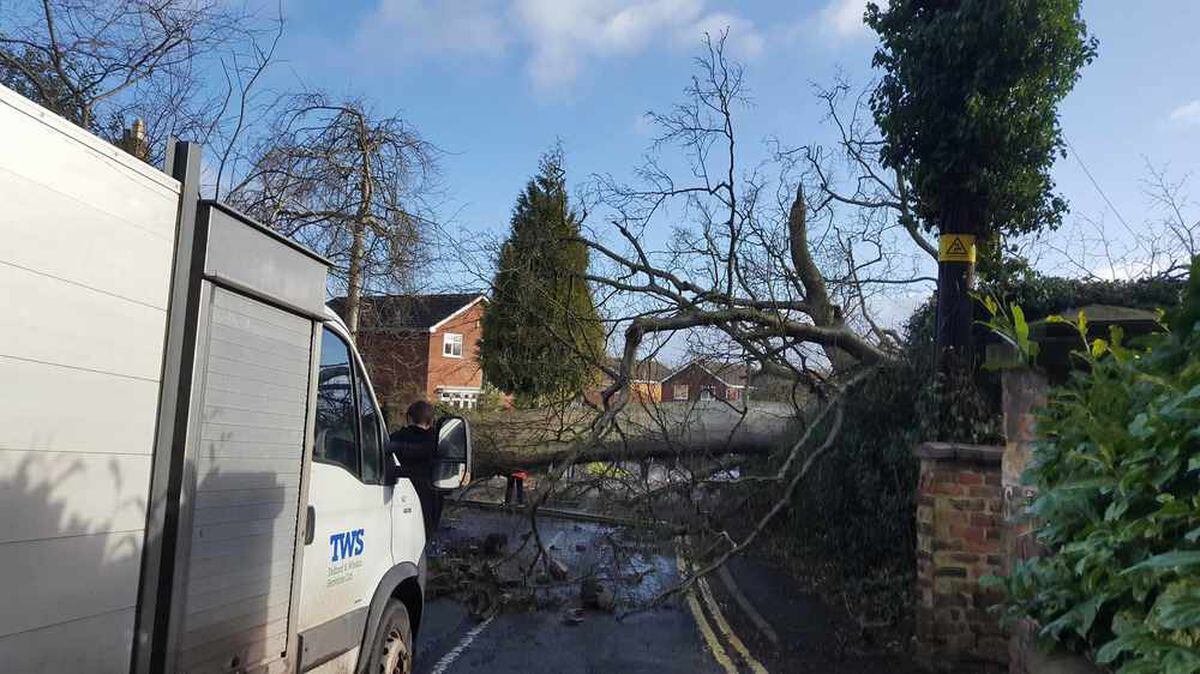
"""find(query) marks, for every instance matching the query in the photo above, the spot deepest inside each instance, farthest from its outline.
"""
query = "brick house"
(644, 386)
(702, 379)
(422, 346)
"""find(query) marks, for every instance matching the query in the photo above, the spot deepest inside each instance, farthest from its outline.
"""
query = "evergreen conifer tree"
(542, 337)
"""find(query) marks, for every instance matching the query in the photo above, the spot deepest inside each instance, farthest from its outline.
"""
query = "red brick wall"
(1024, 391)
(960, 539)
(697, 378)
(464, 372)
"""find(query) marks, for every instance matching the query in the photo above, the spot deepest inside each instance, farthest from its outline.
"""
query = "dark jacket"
(414, 448)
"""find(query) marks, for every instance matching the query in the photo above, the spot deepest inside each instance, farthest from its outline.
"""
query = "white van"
(192, 459)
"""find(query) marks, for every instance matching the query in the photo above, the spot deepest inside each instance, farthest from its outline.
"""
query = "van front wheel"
(392, 651)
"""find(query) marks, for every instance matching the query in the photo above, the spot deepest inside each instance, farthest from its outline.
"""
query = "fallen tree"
(539, 439)
(780, 272)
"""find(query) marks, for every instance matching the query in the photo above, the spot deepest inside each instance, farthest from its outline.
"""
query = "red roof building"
(422, 347)
(702, 379)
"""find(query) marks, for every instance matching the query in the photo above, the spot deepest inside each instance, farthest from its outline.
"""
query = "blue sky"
(494, 83)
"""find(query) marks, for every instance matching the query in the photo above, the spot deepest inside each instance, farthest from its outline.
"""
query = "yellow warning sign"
(956, 248)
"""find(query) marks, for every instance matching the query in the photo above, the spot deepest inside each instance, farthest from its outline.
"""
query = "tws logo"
(346, 544)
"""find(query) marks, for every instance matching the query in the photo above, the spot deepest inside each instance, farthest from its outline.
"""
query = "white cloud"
(403, 28)
(744, 41)
(1188, 113)
(843, 19)
(558, 37)
(563, 34)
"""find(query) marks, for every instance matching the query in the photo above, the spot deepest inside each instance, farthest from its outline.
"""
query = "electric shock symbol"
(956, 248)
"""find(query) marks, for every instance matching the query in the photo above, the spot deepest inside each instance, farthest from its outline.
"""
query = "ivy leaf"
(1113, 649)
(1140, 428)
(1179, 613)
(1175, 558)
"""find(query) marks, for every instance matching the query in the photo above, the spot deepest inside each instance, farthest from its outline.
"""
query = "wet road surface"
(669, 638)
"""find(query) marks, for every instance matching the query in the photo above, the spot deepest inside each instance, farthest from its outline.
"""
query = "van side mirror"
(452, 460)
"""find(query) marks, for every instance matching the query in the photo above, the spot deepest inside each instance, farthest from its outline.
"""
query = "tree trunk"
(822, 310)
(956, 280)
(955, 310)
(361, 222)
(354, 280)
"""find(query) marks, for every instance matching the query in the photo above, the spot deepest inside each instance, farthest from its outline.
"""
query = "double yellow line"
(718, 618)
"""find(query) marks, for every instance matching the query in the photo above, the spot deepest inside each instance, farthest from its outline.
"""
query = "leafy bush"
(857, 508)
(1118, 510)
(857, 505)
(1041, 296)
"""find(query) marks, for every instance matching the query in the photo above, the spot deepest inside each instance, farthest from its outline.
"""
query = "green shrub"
(1041, 296)
(857, 507)
(857, 504)
(856, 510)
(1118, 506)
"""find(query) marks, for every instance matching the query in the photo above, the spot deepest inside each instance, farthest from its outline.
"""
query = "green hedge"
(1118, 510)
(1041, 296)
(857, 509)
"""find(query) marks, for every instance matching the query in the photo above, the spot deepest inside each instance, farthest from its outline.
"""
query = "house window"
(452, 345)
(706, 393)
(681, 392)
(463, 400)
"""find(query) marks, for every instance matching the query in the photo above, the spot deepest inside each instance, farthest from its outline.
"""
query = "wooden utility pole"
(956, 280)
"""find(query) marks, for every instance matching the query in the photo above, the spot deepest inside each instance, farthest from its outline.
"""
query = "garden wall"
(960, 540)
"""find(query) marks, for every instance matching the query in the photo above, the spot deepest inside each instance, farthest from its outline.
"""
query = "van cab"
(364, 549)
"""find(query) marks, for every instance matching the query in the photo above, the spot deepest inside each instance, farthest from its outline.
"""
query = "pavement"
(704, 632)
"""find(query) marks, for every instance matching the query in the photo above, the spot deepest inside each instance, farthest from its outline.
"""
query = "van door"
(408, 523)
(349, 505)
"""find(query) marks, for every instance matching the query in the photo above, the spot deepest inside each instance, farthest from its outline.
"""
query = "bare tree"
(769, 263)
(1160, 246)
(858, 144)
(782, 275)
(102, 63)
(1178, 219)
(352, 186)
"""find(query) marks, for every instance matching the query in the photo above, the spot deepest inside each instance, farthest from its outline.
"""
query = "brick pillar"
(960, 539)
(1024, 391)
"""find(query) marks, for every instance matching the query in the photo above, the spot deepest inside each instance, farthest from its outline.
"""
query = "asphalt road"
(700, 634)
(664, 640)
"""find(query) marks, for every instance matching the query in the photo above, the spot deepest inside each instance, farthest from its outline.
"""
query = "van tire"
(392, 649)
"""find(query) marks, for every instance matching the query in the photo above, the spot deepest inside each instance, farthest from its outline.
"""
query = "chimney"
(133, 140)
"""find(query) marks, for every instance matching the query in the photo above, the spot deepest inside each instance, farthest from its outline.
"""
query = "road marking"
(752, 613)
(465, 643)
(724, 628)
(710, 638)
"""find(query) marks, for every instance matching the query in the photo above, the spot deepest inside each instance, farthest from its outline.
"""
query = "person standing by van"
(414, 447)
